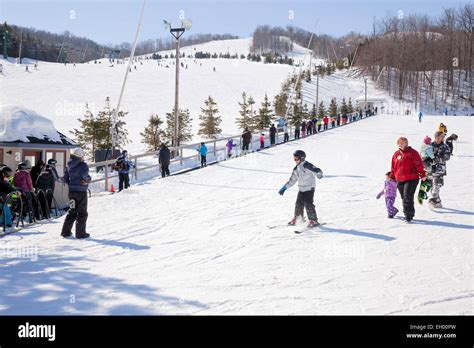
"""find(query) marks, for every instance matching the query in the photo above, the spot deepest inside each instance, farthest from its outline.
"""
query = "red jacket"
(22, 180)
(407, 165)
(326, 120)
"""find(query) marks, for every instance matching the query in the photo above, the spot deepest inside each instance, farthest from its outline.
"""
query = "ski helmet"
(52, 162)
(21, 166)
(78, 152)
(7, 171)
(427, 140)
(301, 154)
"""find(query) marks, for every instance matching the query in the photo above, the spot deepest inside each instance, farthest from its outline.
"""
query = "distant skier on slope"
(303, 173)
(420, 116)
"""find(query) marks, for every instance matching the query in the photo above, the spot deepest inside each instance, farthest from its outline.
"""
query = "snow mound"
(19, 124)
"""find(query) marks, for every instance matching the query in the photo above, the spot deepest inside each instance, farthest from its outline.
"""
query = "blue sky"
(114, 21)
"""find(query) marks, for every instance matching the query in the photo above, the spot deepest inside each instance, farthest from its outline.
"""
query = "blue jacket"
(203, 150)
(77, 175)
(128, 164)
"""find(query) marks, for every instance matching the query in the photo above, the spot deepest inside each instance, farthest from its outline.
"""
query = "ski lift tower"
(177, 33)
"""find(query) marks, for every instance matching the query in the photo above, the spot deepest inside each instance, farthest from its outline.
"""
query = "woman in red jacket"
(407, 169)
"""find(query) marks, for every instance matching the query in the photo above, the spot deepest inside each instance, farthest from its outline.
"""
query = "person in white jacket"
(303, 173)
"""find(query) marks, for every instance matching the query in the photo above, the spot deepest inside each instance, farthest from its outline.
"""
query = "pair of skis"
(298, 231)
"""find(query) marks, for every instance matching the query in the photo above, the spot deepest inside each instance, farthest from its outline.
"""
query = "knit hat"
(427, 140)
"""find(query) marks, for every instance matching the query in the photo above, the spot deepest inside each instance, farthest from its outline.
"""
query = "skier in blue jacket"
(77, 178)
(203, 152)
(123, 166)
(303, 173)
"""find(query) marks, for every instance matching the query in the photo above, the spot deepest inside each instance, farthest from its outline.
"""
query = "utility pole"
(317, 88)
(176, 33)
(365, 84)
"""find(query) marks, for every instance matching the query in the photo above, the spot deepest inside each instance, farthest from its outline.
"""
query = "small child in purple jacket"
(390, 192)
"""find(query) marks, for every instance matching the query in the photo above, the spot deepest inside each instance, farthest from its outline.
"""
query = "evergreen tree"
(297, 113)
(280, 104)
(152, 134)
(344, 109)
(210, 121)
(184, 127)
(245, 119)
(321, 110)
(305, 111)
(252, 113)
(264, 117)
(350, 108)
(87, 135)
(104, 118)
(333, 107)
(95, 130)
(314, 112)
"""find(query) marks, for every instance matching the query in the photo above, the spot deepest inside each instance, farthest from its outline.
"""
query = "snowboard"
(425, 187)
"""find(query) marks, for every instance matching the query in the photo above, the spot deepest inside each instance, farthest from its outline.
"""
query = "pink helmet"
(427, 140)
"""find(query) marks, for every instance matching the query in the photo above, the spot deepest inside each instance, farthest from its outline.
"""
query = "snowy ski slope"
(60, 92)
(199, 243)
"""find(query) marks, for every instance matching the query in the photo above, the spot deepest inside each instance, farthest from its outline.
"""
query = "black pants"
(165, 171)
(272, 140)
(286, 138)
(407, 191)
(297, 133)
(305, 200)
(77, 213)
(245, 145)
(124, 180)
(203, 161)
(326, 126)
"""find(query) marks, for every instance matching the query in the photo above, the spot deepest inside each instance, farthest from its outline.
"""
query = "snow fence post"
(106, 179)
(215, 150)
(135, 169)
(181, 156)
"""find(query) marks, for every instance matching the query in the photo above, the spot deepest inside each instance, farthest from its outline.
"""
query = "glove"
(319, 174)
(282, 190)
(378, 196)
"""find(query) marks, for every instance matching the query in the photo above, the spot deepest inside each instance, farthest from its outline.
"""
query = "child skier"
(390, 192)
(230, 144)
(203, 152)
(262, 141)
(303, 173)
(426, 153)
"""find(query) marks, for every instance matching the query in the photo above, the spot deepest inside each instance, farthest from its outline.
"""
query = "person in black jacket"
(36, 171)
(46, 181)
(246, 139)
(164, 160)
(273, 131)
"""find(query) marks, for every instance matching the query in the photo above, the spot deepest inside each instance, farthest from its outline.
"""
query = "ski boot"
(313, 223)
(292, 222)
(435, 203)
(295, 220)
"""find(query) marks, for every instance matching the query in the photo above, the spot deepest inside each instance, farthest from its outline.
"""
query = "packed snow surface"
(200, 242)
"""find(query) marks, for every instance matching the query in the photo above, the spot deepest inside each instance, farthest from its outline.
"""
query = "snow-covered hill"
(199, 243)
(60, 92)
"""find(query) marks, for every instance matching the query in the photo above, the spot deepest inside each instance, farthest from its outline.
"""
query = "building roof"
(21, 125)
